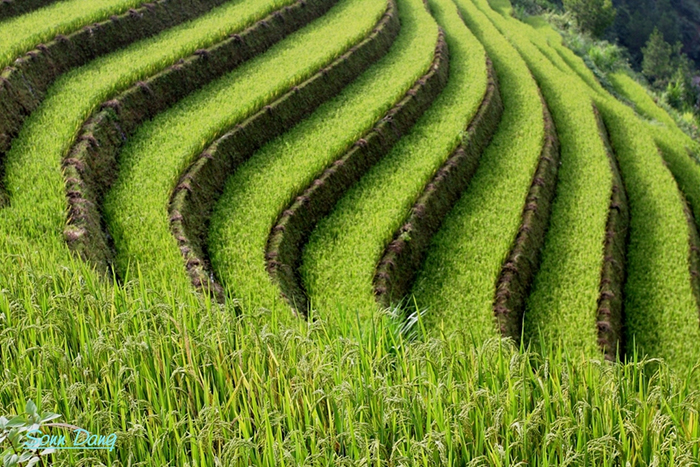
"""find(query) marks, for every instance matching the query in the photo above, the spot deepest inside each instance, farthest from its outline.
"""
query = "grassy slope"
(161, 149)
(562, 307)
(22, 33)
(457, 283)
(261, 188)
(340, 258)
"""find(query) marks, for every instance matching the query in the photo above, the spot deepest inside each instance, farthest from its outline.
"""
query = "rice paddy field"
(337, 232)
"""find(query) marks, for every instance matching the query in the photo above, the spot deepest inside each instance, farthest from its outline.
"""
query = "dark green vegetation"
(676, 20)
(330, 224)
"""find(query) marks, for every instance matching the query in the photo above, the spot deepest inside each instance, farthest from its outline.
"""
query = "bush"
(607, 57)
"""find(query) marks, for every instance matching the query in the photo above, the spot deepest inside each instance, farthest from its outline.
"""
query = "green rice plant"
(160, 151)
(562, 306)
(34, 180)
(188, 383)
(458, 280)
(20, 34)
(11, 8)
(261, 188)
(339, 261)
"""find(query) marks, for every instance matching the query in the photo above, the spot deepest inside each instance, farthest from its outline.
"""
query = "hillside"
(338, 232)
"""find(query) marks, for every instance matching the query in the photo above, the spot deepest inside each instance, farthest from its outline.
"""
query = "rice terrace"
(348, 233)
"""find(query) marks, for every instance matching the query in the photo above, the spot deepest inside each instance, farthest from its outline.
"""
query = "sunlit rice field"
(207, 208)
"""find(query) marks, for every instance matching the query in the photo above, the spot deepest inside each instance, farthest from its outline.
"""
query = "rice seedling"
(457, 282)
(339, 261)
(261, 188)
(153, 159)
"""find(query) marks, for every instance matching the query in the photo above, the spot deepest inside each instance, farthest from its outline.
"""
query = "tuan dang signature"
(28, 437)
(82, 439)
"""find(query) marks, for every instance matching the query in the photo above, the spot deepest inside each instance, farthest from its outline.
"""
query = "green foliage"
(677, 20)
(606, 57)
(13, 434)
(525, 8)
(680, 93)
(592, 16)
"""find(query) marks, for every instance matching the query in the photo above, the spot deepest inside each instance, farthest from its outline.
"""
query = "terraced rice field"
(339, 232)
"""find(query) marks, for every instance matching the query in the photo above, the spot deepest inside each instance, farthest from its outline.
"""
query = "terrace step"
(340, 258)
(660, 301)
(297, 221)
(562, 304)
(457, 280)
(194, 198)
(694, 256)
(522, 263)
(611, 316)
(23, 85)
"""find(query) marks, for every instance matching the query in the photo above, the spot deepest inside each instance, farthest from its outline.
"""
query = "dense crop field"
(337, 232)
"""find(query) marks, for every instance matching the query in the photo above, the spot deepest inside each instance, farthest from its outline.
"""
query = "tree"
(680, 92)
(656, 65)
(592, 16)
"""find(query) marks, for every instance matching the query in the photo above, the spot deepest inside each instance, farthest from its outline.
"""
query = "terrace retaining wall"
(610, 319)
(522, 263)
